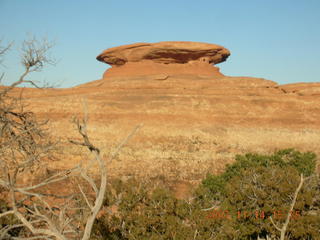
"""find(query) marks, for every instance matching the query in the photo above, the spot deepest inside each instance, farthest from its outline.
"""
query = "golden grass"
(178, 153)
(185, 134)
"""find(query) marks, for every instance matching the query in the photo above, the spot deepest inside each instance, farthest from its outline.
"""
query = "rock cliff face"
(194, 118)
(164, 58)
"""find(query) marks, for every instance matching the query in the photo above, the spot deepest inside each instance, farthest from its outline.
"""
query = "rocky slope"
(194, 121)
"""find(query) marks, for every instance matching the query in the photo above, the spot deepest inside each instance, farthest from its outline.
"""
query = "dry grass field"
(187, 132)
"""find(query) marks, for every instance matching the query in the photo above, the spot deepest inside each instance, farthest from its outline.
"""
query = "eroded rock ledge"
(164, 58)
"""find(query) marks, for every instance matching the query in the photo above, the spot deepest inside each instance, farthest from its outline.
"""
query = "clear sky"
(273, 39)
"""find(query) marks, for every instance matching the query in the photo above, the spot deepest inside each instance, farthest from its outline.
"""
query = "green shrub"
(145, 212)
(304, 163)
(263, 184)
(268, 192)
(255, 183)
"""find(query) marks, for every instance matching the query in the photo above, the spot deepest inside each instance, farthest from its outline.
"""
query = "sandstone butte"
(195, 119)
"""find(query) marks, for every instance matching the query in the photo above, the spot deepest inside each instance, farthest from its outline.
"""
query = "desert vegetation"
(40, 209)
(257, 196)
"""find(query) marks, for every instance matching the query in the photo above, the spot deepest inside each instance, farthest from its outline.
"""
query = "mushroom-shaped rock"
(164, 58)
(165, 52)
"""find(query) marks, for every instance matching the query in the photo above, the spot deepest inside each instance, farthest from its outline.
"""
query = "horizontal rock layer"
(190, 125)
(195, 119)
(168, 58)
(165, 52)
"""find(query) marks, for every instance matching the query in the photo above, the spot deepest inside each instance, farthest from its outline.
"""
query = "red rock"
(194, 118)
(302, 89)
(164, 58)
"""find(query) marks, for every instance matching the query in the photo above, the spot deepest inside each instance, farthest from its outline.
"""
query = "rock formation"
(167, 58)
(195, 118)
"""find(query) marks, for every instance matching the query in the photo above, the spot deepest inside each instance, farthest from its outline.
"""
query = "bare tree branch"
(284, 227)
(29, 225)
(34, 54)
(119, 147)
(4, 50)
(6, 213)
(43, 212)
(34, 57)
(82, 128)
(85, 197)
(85, 176)
(273, 223)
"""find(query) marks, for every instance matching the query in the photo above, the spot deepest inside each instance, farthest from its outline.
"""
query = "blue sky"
(273, 39)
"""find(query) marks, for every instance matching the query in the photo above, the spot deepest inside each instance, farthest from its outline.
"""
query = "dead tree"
(284, 227)
(24, 145)
(34, 57)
